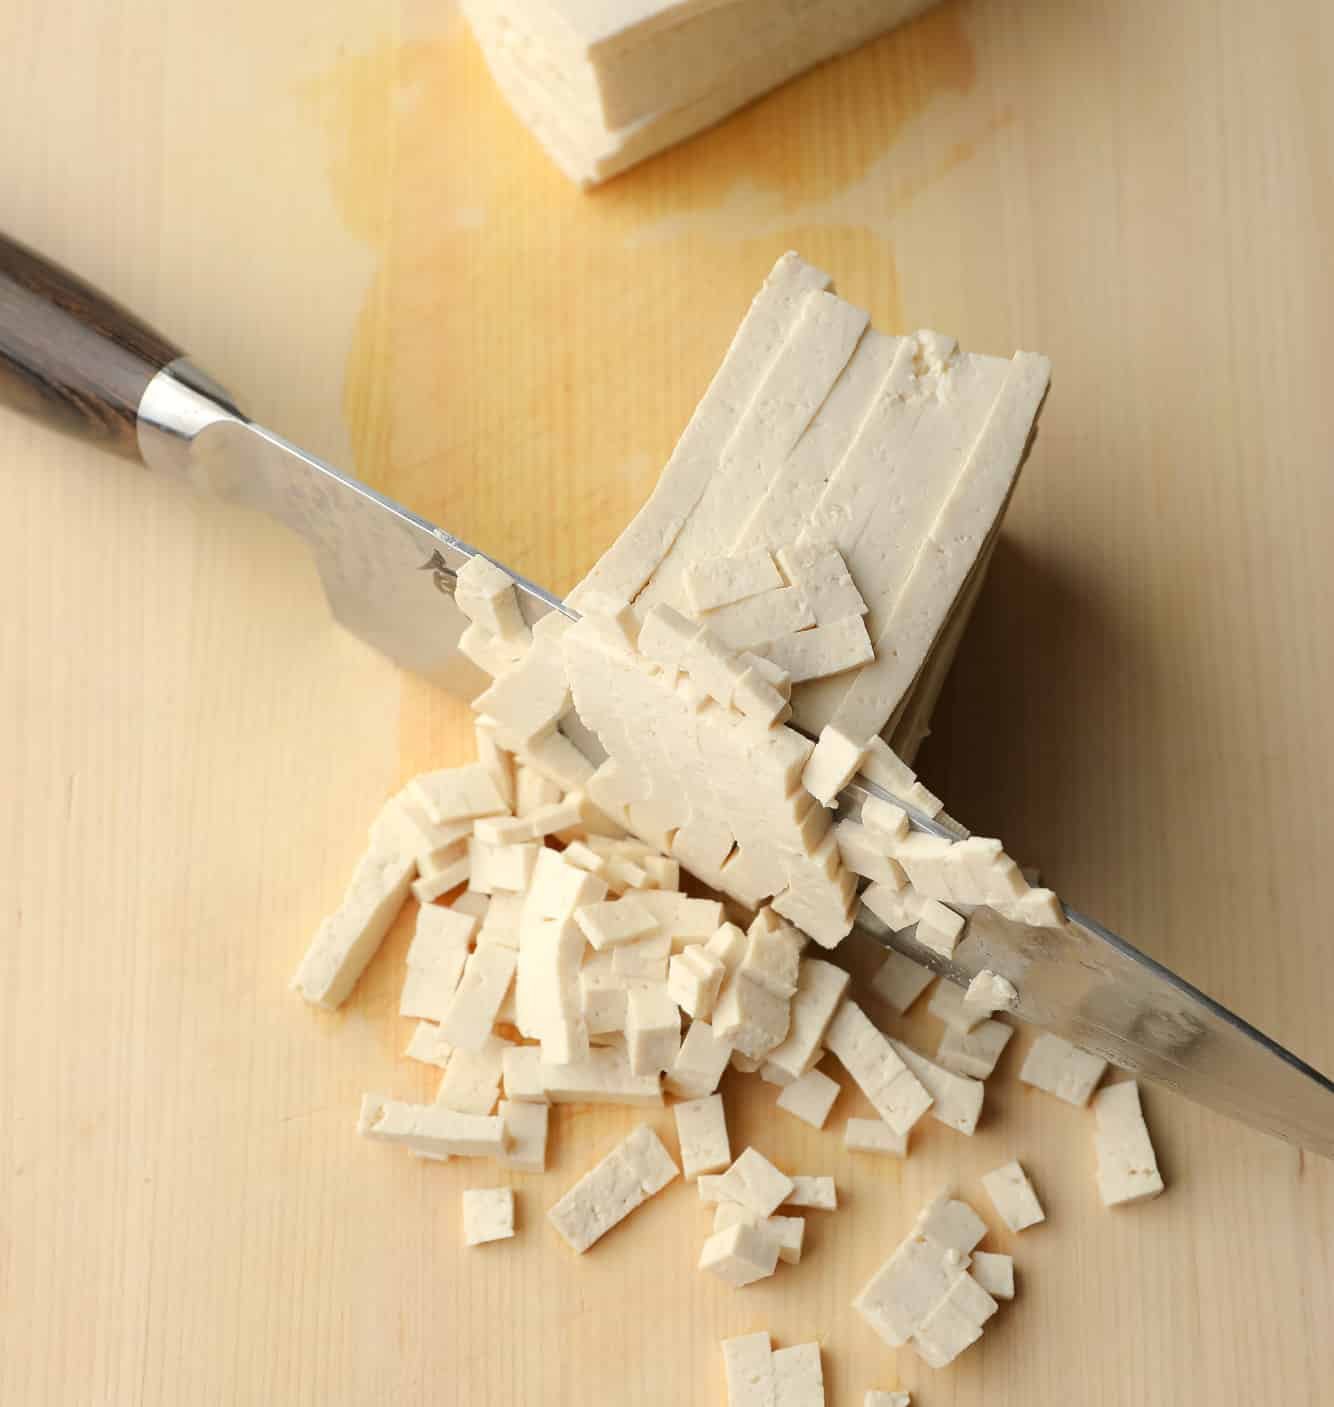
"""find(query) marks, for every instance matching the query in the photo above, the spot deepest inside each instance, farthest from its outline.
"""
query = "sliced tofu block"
(810, 1098)
(521, 1073)
(624, 1180)
(882, 1074)
(459, 793)
(526, 1127)
(754, 1183)
(428, 1046)
(818, 1193)
(748, 1362)
(818, 569)
(431, 1129)
(488, 1215)
(956, 1100)
(820, 989)
(874, 1136)
(995, 1274)
(740, 1255)
(603, 1076)
(1013, 1197)
(694, 978)
(652, 1029)
(471, 1082)
(701, 1129)
(1062, 1069)
(976, 1053)
(1127, 1165)
(798, 1377)
(899, 981)
(699, 1064)
(485, 594)
(947, 1005)
(835, 761)
(719, 581)
(822, 651)
(486, 979)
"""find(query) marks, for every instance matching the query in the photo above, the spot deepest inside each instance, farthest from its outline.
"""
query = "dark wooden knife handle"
(71, 356)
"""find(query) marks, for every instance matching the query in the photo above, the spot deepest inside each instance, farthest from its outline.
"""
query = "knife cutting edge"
(75, 359)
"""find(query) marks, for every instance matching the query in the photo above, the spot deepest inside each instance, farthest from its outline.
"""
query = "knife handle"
(72, 357)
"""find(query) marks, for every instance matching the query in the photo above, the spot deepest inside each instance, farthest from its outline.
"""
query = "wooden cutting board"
(347, 225)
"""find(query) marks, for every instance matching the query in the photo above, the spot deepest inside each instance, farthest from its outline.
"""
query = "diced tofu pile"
(603, 87)
(555, 957)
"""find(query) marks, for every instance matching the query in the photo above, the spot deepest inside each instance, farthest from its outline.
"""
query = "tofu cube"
(832, 765)
(1062, 1069)
(810, 1098)
(1013, 1197)
(740, 1255)
(1127, 1165)
(488, 1215)
(701, 1129)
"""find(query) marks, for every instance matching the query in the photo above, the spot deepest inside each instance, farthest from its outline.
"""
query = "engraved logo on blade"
(442, 574)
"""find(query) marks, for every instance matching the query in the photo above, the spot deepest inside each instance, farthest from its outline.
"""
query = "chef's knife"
(71, 356)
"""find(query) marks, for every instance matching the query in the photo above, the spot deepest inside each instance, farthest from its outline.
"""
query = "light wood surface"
(344, 222)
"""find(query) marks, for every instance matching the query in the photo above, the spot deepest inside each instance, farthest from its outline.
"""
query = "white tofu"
(728, 944)
(886, 769)
(440, 939)
(906, 1288)
(947, 1330)
(867, 854)
(899, 981)
(430, 887)
(430, 1128)
(810, 1098)
(976, 1053)
(874, 1136)
(558, 890)
(485, 594)
(884, 820)
(818, 1193)
(879, 1069)
(603, 1076)
(614, 921)
(886, 1399)
(428, 1046)
(711, 1188)
(1013, 1197)
(624, 1180)
(488, 652)
(701, 1129)
(820, 988)
(526, 1127)
(557, 758)
(754, 1183)
(488, 1215)
(832, 765)
(652, 1029)
(750, 1017)
(822, 575)
(684, 919)
(471, 1082)
(772, 959)
(989, 992)
(699, 1064)
(748, 1364)
(486, 978)
(521, 1072)
(472, 905)
(740, 1255)
(950, 1225)
(718, 581)
(346, 941)
(533, 791)
(1062, 1069)
(503, 867)
(956, 1100)
(939, 928)
(752, 623)
(497, 760)
(646, 958)
(798, 1378)
(947, 1005)
(1127, 1165)
(758, 699)
(995, 1274)
(1040, 908)
(694, 977)
(821, 651)
(500, 926)
(666, 635)
(458, 793)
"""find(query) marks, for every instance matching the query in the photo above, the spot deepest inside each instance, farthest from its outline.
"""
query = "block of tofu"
(533, 791)
(430, 1128)
(750, 1017)
(701, 1129)
(719, 581)
(1127, 1165)
(925, 860)
(773, 958)
(748, 1364)
(1013, 1197)
(798, 1377)
(950, 1225)
(428, 1046)
(728, 944)
(822, 576)
(652, 1028)
(500, 924)
(758, 698)
(346, 941)
(485, 594)
(974, 1054)
(740, 1255)
(440, 939)
(906, 1288)
(817, 1193)
(403, 826)
(897, 909)
(557, 758)
(699, 1064)
(874, 1136)
(1054, 1065)
(810, 1098)
(832, 765)
(497, 760)
(646, 958)
(694, 977)
(624, 1180)
(488, 652)
(530, 698)
(471, 1082)
(603, 1076)
(881, 1073)
(956, 1100)
(556, 818)
(867, 854)
(488, 1215)
(459, 793)
(822, 650)
(486, 978)
(1039, 908)
(712, 665)
(821, 987)
(947, 1004)
(884, 820)
(751, 624)
(558, 890)
(504, 868)
(954, 1324)
(666, 635)
(521, 1074)
(526, 1135)
(788, 1231)
(899, 981)
(711, 1188)
(995, 1273)
(684, 919)
(886, 769)
(613, 921)
(939, 928)
(989, 992)
(754, 1183)
(427, 888)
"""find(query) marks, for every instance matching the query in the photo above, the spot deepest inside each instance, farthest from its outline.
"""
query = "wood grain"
(363, 243)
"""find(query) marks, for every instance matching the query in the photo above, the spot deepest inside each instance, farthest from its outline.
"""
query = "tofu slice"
(1057, 1067)
(740, 1255)
(754, 1183)
(798, 1376)
(818, 1193)
(748, 1364)
(1127, 1165)
(874, 1136)
(719, 581)
(835, 761)
(878, 1067)
(1013, 1197)
(810, 1098)
(995, 1273)
(701, 1130)
(635, 1170)
(488, 1214)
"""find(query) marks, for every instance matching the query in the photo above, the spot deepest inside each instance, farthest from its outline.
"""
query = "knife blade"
(73, 357)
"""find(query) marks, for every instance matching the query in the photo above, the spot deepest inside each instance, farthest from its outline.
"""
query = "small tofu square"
(995, 1273)
(817, 1193)
(526, 1130)
(701, 1130)
(1013, 1197)
(874, 1136)
(756, 1184)
(740, 1255)
(798, 1378)
(1127, 1165)
(488, 1215)
(832, 765)
(975, 1054)
(810, 1098)
(899, 981)
(1062, 1069)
